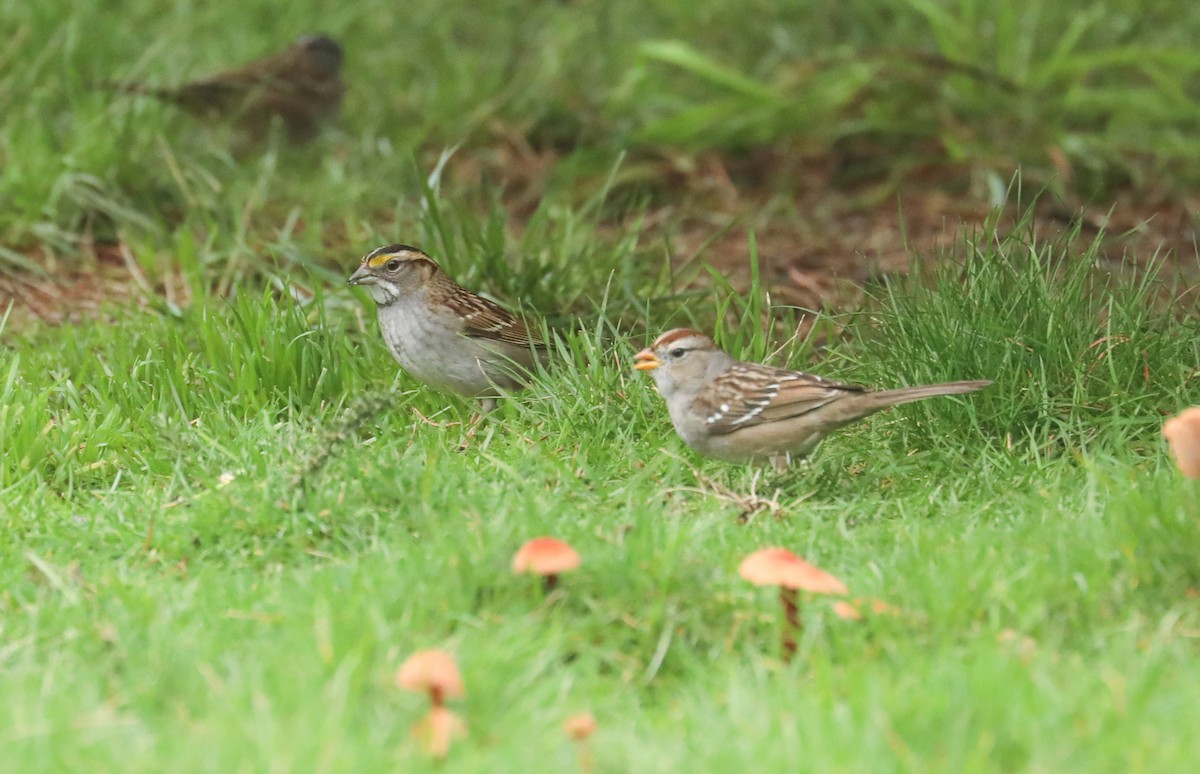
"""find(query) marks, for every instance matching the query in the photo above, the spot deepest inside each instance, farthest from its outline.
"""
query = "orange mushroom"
(547, 557)
(780, 567)
(852, 610)
(1183, 435)
(435, 673)
(579, 728)
(847, 611)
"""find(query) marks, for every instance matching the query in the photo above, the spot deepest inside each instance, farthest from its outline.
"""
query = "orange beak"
(646, 361)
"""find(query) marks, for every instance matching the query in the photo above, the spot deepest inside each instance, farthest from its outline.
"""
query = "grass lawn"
(228, 519)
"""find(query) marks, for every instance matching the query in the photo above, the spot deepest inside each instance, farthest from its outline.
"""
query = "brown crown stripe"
(671, 336)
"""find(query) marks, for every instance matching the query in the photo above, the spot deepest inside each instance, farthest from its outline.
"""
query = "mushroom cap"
(780, 567)
(847, 611)
(581, 726)
(852, 610)
(1183, 435)
(431, 670)
(545, 556)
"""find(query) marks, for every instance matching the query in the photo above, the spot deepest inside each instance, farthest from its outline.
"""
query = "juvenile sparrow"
(301, 86)
(443, 334)
(741, 412)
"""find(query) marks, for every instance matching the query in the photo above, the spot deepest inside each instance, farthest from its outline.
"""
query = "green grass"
(174, 599)
(1085, 99)
(217, 551)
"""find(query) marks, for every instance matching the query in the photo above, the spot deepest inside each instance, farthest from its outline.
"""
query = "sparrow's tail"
(210, 98)
(141, 89)
(885, 398)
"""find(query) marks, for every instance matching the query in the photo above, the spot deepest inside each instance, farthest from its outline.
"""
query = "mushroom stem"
(790, 600)
(550, 582)
(436, 696)
(579, 728)
(437, 730)
(583, 756)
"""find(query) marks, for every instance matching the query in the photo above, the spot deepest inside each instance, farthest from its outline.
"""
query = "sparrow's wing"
(749, 394)
(210, 97)
(279, 76)
(484, 319)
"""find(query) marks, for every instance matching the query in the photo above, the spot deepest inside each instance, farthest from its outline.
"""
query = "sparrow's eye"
(677, 353)
(393, 265)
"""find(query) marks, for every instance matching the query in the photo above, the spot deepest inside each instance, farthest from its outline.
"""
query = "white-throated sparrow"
(443, 334)
(741, 412)
(300, 86)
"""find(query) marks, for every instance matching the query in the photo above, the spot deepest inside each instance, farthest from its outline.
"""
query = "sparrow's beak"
(646, 361)
(361, 277)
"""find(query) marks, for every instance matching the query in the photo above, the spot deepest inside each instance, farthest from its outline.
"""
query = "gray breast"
(434, 352)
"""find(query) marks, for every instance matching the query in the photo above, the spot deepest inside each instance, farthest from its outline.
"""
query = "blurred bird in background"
(300, 86)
